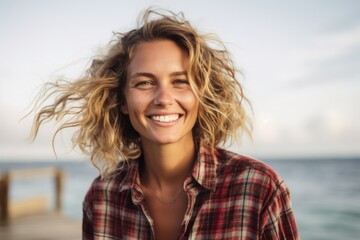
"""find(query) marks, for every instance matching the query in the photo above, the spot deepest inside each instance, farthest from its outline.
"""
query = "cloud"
(328, 131)
(326, 57)
(329, 126)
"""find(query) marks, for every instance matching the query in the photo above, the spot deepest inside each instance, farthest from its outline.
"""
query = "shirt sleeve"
(87, 222)
(278, 221)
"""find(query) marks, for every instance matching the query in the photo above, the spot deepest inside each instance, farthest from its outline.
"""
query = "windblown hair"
(92, 103)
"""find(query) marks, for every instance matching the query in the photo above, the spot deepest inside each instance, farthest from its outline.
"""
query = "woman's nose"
(163, 96)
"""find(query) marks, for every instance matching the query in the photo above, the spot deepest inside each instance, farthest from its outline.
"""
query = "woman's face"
(159, 100)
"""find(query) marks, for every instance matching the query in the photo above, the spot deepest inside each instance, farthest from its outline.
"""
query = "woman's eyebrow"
(150, 75)
(180, 73)
(142, 74)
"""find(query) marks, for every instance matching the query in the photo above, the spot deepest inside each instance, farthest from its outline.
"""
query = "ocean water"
(325, 193)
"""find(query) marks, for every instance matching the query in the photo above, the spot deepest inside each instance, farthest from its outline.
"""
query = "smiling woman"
(152, 113)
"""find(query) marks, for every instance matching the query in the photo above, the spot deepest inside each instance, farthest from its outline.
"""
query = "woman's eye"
(180, 81)
(144, 84)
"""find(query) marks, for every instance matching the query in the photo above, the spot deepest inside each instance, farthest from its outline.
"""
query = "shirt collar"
(204, 171)
(132, 179)
(205, 168)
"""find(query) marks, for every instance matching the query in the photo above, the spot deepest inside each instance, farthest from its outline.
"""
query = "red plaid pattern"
(230, 197)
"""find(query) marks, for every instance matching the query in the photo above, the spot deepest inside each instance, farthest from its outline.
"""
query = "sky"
(300, 60)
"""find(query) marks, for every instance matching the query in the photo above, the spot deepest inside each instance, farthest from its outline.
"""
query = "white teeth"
(167, 118)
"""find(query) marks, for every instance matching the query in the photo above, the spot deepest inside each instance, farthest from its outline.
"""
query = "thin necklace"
(173, 201)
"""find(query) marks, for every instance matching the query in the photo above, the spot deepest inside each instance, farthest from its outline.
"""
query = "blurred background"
(301, 66)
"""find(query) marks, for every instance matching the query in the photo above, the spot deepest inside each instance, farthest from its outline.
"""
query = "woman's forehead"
(158, 56)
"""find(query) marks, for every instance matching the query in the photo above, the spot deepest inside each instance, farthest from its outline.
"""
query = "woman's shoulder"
(104, 187)
(240, 172)
(245, 166)
(115, 180)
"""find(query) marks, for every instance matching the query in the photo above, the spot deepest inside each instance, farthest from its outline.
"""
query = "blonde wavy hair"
(92, 103)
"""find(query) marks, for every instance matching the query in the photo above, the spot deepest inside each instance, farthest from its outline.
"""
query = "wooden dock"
(41, 227)
(29, 219)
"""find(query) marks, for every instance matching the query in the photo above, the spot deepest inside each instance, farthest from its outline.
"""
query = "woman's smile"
(165, 118)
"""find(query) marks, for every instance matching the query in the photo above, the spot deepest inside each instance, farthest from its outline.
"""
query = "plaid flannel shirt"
(229, 197)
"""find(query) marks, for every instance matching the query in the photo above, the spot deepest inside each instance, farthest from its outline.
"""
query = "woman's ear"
(124, 109)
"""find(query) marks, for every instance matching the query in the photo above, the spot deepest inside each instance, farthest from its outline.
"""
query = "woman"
(152, 113)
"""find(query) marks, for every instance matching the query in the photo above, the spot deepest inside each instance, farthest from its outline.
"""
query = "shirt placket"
(192, 193)
(139, 199)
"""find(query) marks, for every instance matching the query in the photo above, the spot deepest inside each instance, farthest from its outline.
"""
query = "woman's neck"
(167, 165)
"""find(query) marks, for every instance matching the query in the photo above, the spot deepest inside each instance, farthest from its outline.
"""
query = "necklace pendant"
(173, 201)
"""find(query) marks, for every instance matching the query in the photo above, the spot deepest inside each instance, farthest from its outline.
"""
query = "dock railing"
(10, 209)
